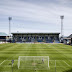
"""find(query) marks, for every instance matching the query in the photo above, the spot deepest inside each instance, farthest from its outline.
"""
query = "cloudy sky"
(36, 15)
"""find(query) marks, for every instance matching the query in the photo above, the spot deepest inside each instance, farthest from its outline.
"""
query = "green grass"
(60, 53)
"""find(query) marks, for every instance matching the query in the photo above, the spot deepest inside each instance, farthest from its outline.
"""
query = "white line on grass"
(2, 62)
(5, 66)
(10, 60)
(66, 63)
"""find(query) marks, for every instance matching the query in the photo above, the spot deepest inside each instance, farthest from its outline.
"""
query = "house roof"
(70, 36)
(3, 34)
(34, 33)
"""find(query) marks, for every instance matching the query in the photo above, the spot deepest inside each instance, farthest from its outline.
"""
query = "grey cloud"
(38, 11)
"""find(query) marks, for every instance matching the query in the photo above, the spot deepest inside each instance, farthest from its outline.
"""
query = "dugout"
(36, 37)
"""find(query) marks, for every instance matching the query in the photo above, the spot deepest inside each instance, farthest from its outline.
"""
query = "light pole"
(62, 17)
(9, 18)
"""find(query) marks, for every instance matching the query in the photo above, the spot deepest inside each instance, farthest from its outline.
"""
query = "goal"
(31, 62)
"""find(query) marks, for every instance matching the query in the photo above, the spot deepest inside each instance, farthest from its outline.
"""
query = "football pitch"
(60, 57)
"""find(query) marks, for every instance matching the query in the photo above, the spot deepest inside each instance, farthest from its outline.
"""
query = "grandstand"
(36, 37)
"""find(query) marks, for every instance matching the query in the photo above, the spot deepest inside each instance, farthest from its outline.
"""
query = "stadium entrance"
(36, 37)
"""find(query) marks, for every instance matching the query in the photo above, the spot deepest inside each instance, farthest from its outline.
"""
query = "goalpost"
(30, 62)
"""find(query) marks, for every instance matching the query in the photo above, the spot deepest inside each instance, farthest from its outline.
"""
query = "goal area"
(33, 62)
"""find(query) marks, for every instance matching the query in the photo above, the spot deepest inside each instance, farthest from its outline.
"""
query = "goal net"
(31, 62)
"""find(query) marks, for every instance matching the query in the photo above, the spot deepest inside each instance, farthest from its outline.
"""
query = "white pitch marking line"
(10, 60)
(66, 63)
(2, 62)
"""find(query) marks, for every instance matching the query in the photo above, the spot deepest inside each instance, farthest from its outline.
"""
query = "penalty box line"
(63, 61)
(2, 62)
(66, 63)
(10, 60)
(6, 60)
